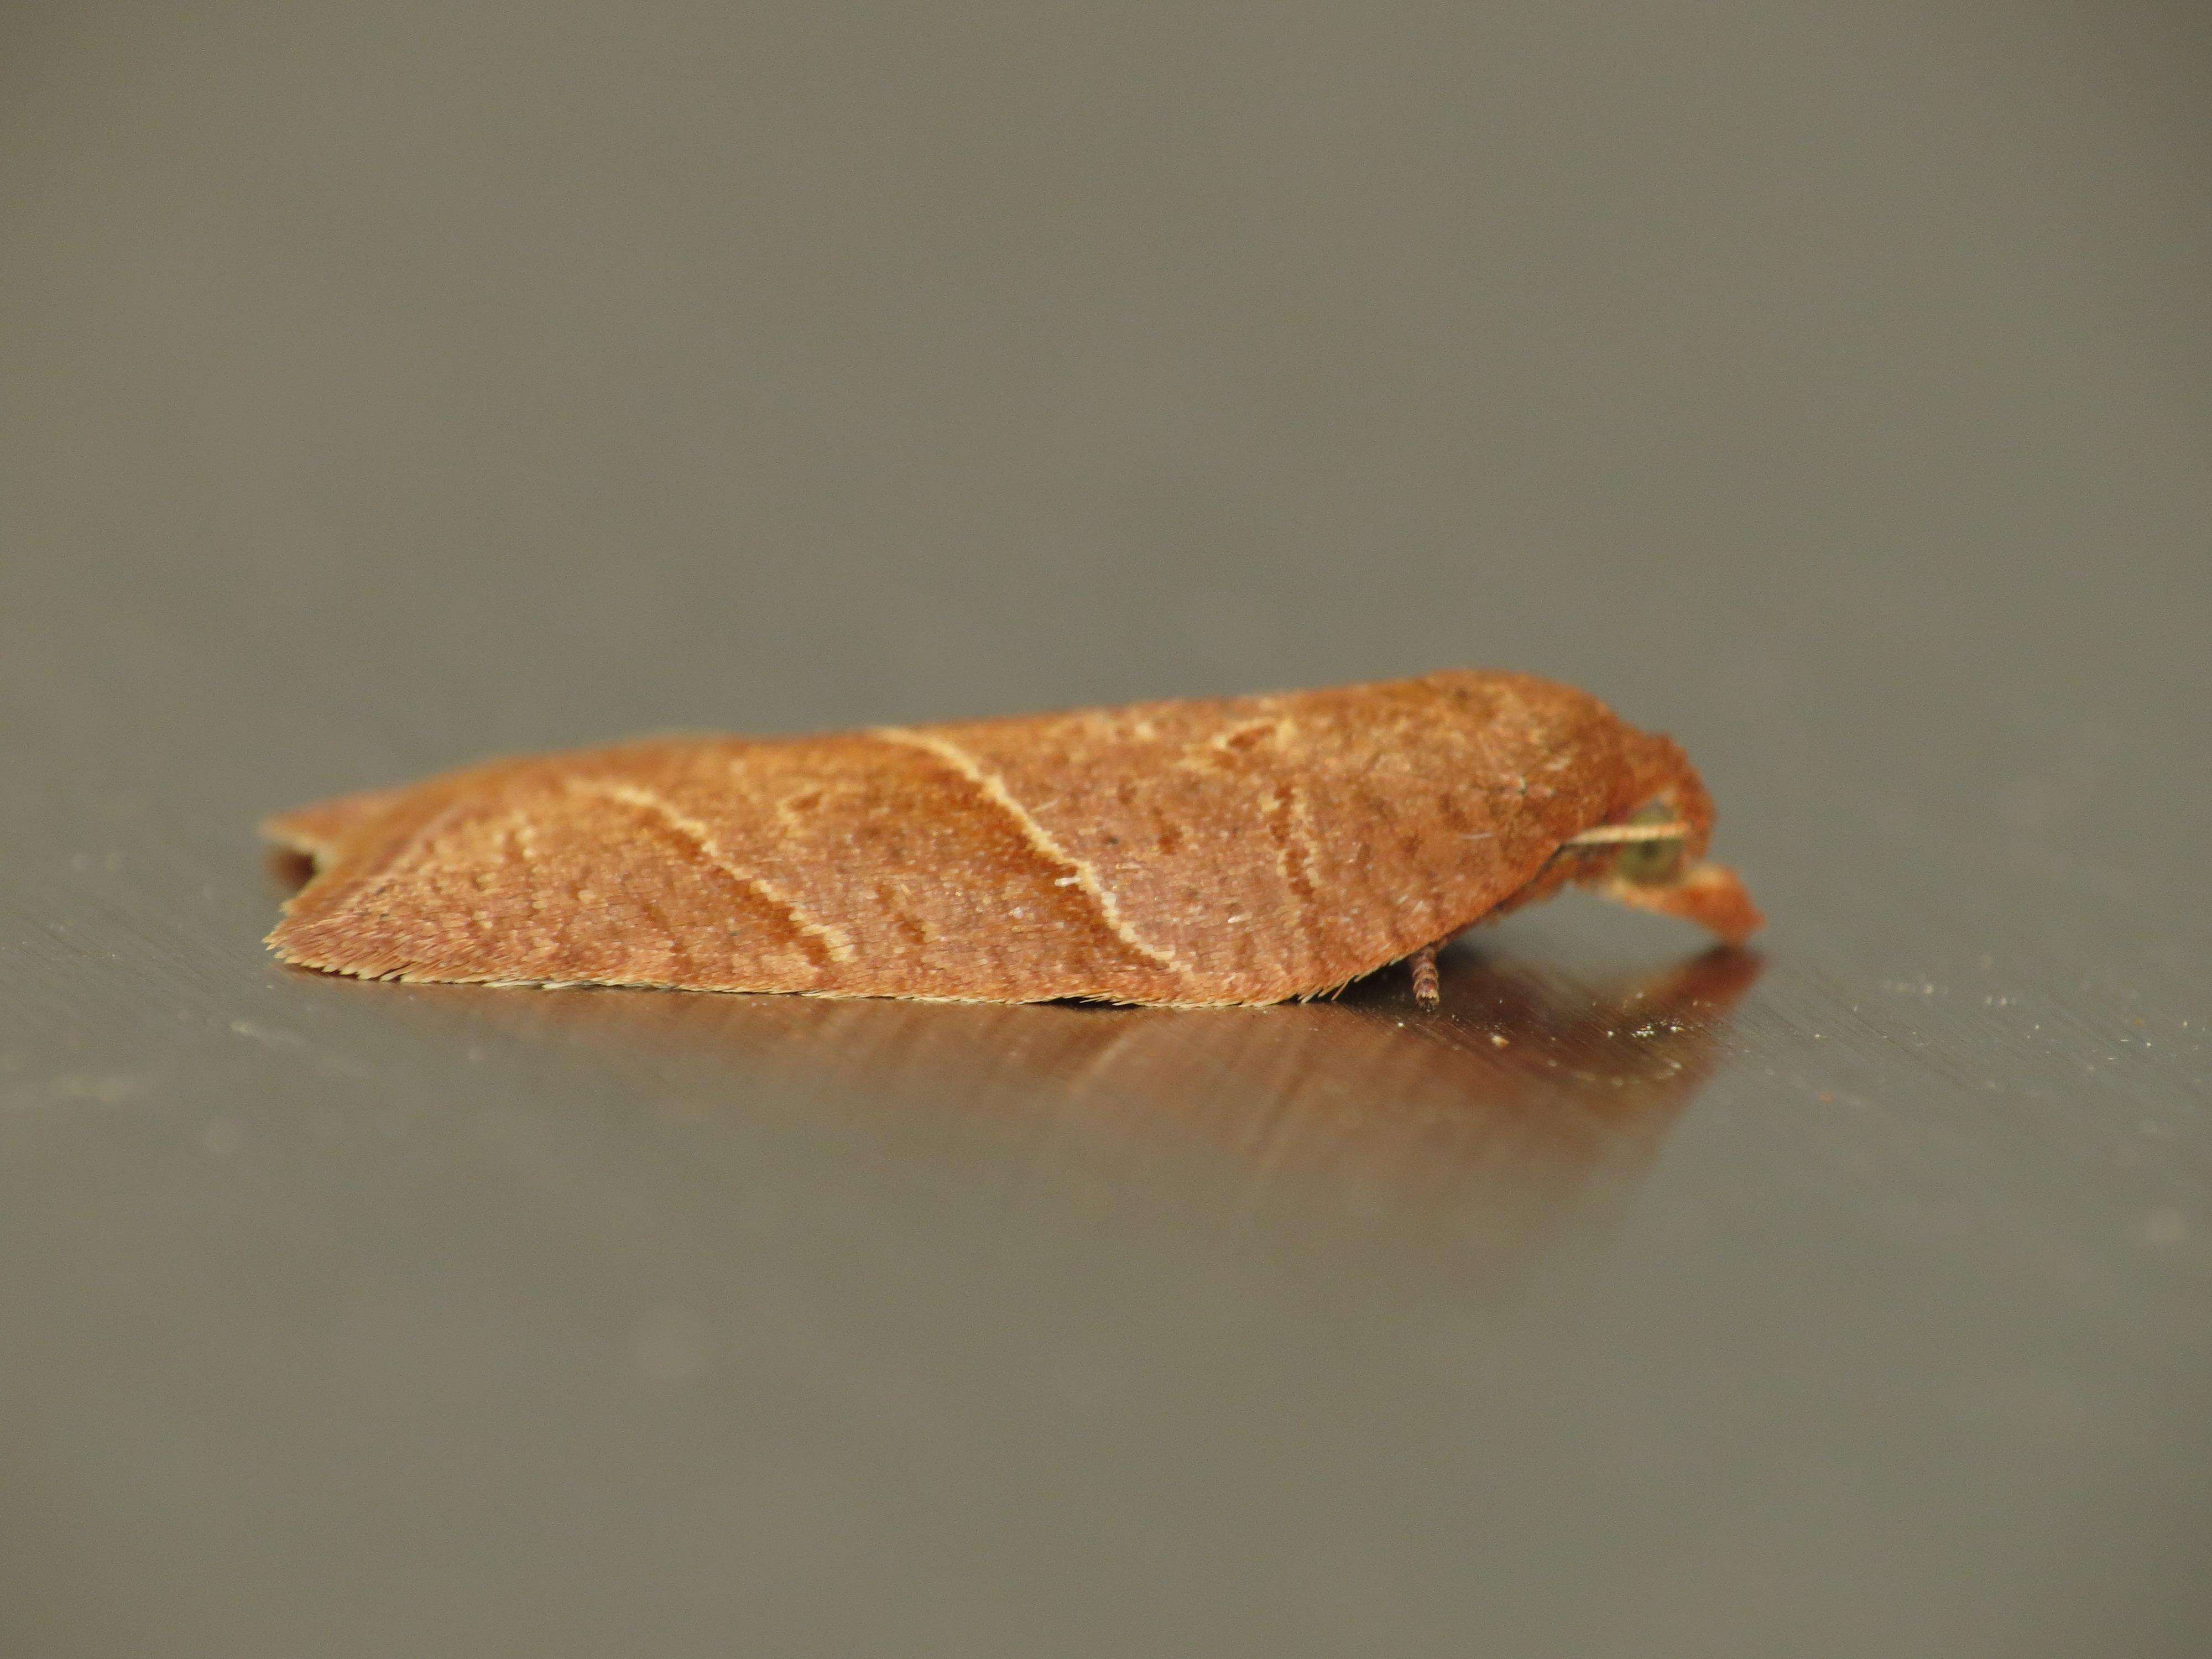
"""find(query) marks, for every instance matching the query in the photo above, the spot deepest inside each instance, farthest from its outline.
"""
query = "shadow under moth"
(1198, 852)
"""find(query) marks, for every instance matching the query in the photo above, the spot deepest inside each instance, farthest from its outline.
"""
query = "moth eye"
(1651, 863)
(1648, 863)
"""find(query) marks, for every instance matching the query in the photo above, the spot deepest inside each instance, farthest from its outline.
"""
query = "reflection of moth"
(1538, 1099)
(1239, 850)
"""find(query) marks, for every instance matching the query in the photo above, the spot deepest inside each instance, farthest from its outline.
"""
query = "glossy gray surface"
(385, 385)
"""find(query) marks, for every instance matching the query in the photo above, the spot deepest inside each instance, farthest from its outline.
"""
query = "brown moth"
(1209, 851)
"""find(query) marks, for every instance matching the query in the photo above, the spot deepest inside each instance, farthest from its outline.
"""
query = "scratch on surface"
(838, 942)
(993, 788)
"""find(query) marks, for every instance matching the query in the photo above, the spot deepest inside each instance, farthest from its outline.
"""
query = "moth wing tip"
(321, 827)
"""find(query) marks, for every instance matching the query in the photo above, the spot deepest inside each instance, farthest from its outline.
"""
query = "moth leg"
(1423, 962)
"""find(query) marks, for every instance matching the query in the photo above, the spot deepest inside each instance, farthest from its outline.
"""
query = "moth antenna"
(1607, 835)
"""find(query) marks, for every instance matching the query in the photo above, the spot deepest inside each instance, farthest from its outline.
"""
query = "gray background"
(385, 385)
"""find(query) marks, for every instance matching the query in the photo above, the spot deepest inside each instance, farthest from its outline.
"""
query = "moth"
(1200, 852)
